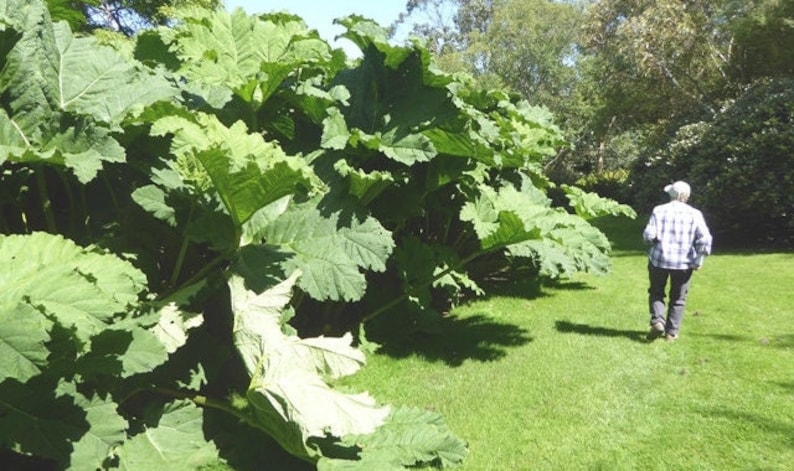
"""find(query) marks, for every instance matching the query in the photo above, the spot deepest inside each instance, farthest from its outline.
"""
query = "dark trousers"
(679, 288)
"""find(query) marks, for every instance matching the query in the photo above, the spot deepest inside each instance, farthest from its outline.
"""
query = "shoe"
(657, 330)
(670, 337)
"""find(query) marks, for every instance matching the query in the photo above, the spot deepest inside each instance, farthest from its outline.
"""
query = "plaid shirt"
(680, 237)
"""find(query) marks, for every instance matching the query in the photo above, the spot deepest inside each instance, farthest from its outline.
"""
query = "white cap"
(677, 188)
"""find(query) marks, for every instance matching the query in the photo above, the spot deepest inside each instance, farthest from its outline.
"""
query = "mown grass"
(563, 378)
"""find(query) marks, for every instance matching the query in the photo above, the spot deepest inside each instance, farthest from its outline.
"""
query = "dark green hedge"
(740, 166)
(744, 167)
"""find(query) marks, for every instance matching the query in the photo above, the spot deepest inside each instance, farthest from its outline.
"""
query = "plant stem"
(406, 294)
(46, 204)
(180, 260)
(111, 193)
(72, 206)
(198, 275)
(200, 400)
(204, 401)
(86, 216)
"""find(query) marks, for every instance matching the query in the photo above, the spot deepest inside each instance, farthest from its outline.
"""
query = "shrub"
(609, 184)
(740, 165)
(744, 167)
(670, 161)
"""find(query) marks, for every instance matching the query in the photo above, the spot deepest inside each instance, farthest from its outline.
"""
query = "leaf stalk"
(405, 295)
(46, 204)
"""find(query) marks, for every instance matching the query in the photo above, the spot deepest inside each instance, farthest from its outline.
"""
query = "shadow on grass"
(453, 340)
(530, 288)
(789, 386)
(566, 327)
(775, 341)
(524, 287)
(777, 427)
(569, 285)
(724, 337)
(783, 341)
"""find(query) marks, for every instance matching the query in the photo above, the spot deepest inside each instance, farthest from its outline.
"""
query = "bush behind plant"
(744, 166)
(668, 162)
(609, 184)
(740, 166)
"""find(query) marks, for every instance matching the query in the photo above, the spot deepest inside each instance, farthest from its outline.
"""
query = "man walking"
(680, 241)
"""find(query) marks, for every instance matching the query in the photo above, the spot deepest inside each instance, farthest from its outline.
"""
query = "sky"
(320, 14)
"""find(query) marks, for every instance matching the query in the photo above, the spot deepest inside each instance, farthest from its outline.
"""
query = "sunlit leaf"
(287, 372)
(176, 442)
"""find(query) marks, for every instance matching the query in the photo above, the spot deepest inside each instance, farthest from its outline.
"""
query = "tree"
(70, 11)
(527, 47)
(437, 26)
(740, 164)
(670, 68)
(123, 16)
(763, 39)
(665, 58)
(531, 46)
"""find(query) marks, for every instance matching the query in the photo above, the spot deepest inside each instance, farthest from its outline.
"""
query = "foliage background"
(640, 83)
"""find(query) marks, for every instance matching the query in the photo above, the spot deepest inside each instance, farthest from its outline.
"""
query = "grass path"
(564, 379)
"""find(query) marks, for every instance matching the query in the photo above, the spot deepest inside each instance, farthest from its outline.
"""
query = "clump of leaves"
(202, 192)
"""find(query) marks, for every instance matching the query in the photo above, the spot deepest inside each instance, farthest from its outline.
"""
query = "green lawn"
(564, 378)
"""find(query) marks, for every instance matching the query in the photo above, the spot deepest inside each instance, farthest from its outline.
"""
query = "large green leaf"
(410, 438)
(365, 186)
(571, 245)
(31, 74)
(521, 219)
(47, 280)
(63, 95)
(511, 230)
(405, 147)
(144, 352)
(589, 205)
(9, 35)
(329, 250)
(508, 215)
(483, 215)
(82, 147)
(97, 81)
(249, 55)
(107, 429)
(175, 443)
(365, 33)
(22, 341)
(13, 141)
(335, 131)
(153, 199)
(144, 342)
(247, 172)
(231, 41)
(79, 289)
(173, 326)
(550, 257)
(286, 389)
(59, 140)
(399, 100)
